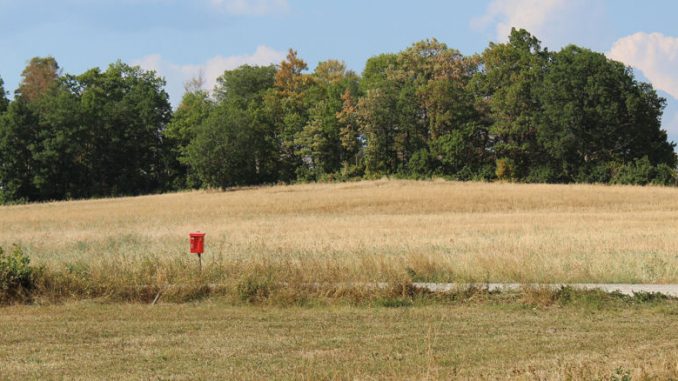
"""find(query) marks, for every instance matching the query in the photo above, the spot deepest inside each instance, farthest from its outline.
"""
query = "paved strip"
(626, 289)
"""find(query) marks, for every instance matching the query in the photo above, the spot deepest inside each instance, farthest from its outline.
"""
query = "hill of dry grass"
(364, 231)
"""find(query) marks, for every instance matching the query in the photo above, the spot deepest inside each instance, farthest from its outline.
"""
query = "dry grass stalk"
(364, 231)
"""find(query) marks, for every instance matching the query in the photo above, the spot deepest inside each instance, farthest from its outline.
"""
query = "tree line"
(515, 112)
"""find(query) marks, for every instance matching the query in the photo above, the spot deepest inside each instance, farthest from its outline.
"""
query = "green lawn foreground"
(212, 340)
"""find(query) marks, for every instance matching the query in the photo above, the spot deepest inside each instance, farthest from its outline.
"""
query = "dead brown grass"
(210, 340)
(370, 231)
(280, 245)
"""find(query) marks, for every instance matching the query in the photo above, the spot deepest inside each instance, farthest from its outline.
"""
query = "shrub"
(16, 275)
(541, 174)
(505, 169)
(665, 175)
(640, 172)
(351, 171)
(600, 173)
(420, 163)
(465, 174)
(486, 172)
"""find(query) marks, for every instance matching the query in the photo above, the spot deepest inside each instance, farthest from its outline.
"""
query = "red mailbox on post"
(197, 243)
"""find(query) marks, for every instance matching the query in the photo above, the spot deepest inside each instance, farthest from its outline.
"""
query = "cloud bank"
(176, 75)
(251, 7)
(654, 54)
(533, 15)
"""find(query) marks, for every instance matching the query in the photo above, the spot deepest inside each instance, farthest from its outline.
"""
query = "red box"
(197, 243)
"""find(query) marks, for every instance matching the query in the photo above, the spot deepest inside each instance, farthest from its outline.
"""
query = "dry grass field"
(281, 258)
(366, 231)
(209, 341)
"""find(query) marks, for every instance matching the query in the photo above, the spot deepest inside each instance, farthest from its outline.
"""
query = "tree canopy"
(4, 102)
(516, 111)
(95, 134)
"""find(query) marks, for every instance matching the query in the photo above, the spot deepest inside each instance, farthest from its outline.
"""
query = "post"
(200, 262)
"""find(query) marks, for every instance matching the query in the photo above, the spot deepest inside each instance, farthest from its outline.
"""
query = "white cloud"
(555, 22)
(533, 15)
(251, 7)
(654, 54)
(670, 120)
(176, 75)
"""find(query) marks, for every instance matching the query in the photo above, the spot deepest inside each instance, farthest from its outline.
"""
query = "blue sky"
(181, 38)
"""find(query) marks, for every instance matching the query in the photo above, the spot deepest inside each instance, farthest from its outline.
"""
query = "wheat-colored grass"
(211, 341)
(373, 230)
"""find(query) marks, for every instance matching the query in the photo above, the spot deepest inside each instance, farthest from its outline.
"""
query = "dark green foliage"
(97, 134)
(126, 110)
(220, 153)
(665, 175)
(595, 112)
(509, 85)
(192, 112)
(642, 172)
(16, 275)
(420, 164)
(328, 140)
(541, 174)
(18, 142)
(376, 70)
(4, 102)
(515, 112)
(235, 144)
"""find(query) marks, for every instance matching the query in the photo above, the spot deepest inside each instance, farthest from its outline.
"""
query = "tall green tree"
(446, 124)
(319, 142)
(30, 153)
(429, 119)
(236, 144)
(18, 142)
(595, 112)
(375, 74)
(379, 117)
(97, 134)
(247, 88)
(219, 154)
(510, 81)
(4, 102)
(126, 110)
(191, 113)
(61, 150)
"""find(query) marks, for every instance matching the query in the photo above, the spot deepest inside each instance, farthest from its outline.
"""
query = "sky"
(181, 39)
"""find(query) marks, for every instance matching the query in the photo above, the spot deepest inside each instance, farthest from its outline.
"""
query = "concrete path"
(626, 289)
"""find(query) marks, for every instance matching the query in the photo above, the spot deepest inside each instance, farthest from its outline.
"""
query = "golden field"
(370, 231)
(287, 268)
